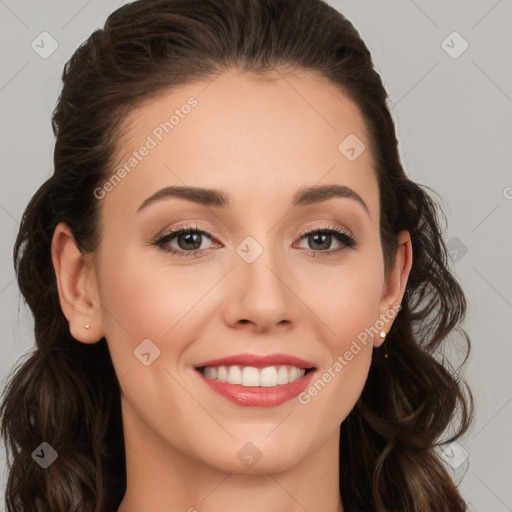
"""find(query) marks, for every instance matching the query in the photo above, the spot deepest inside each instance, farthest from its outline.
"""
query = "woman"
(238, 293)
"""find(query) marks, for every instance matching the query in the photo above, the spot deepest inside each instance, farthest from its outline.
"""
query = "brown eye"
(188, 241)
(320, 240)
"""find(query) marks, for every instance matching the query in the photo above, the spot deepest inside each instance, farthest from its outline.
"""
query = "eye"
(321, 238)
(188, 239)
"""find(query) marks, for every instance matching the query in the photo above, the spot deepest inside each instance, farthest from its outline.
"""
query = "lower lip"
(255, 396)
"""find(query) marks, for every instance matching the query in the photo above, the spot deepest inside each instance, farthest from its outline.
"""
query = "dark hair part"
(67, 392)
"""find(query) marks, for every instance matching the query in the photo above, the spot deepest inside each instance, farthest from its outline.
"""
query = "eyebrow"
(217, 198)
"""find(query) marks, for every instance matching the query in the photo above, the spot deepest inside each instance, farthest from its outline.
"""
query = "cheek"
(150, 306)
(355, 312)
(341, 379)
(142, 299)
(348, 300)
(348, 306)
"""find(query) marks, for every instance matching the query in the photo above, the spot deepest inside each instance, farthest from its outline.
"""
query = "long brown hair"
(66, 393)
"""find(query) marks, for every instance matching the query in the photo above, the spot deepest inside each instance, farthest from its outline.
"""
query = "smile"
(251, 380)
(258, 396)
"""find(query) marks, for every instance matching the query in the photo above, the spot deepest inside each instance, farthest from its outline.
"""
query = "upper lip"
(258, 361)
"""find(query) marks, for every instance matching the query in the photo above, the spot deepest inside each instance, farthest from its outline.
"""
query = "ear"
(77, 285)
(394, 288)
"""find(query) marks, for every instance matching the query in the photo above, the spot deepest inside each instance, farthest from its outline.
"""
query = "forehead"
(260, 138)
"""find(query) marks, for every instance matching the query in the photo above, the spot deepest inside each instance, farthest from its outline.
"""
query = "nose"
(259, 290)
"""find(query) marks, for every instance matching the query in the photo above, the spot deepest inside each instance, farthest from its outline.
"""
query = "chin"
(251, 458)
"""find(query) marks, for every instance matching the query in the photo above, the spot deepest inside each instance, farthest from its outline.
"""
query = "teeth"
(282, 375)
(251, 376)
(269, 376)
(234, 375)
(222, 374)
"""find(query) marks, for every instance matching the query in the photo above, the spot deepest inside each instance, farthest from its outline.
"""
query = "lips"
(258, 361)
(265, 395)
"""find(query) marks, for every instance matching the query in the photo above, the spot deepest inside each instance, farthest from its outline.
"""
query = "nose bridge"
(261, 244)
(260, 258)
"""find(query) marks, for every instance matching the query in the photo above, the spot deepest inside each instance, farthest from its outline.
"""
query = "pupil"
(190, 240)
(325, 237)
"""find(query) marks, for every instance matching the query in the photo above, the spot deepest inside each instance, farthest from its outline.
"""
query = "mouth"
(257, 381)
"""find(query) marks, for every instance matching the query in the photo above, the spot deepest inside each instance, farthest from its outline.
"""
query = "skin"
(259, 141)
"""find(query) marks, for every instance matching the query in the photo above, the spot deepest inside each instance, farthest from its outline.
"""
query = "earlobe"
(77, 287)
(394, 288)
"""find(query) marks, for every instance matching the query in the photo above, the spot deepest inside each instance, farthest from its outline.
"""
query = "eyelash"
(348, 241)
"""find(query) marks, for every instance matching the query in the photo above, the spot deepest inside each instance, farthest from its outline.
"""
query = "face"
(277, 271)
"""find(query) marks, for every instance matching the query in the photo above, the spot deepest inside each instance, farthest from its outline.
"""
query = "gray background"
(453, 117)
